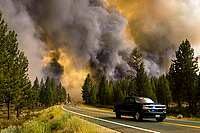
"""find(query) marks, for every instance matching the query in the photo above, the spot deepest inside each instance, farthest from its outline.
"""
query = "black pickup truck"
(139, 108)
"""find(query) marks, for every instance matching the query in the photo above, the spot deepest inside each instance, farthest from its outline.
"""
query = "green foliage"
(14, 79)
(11, 129)
(86, 89)
(183, 75)
(163, 92)
(143, 84)
(36, 127)
(50, 93)
(102, 91)
(198, 91)
(34, 93)
(181, 84)
(55, 120)
(61, 95)
(93, 95)
(118, 95)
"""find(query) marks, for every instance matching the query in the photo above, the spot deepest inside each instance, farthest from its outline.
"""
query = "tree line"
(15, 86)
(180, 85)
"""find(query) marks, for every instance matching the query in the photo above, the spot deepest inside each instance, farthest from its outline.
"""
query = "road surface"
(107, 119)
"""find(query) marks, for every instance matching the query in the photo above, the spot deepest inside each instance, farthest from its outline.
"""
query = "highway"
(107, 119)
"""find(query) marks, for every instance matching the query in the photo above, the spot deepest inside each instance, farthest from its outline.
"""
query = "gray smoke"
(92, 33)
(159, 26)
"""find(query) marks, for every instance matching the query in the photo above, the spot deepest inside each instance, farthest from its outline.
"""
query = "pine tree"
(86, 89)
(118, 95)
(13, 69)
(108, 94)
(143, 84)
(183, 73)
(93, 95)
(53, 92)
(59, 93)
(46, 94)
(102, 91)
(198, 93)
(42, 92)
(163, 92)
(34, 93)
(63, 95)
(154, 84)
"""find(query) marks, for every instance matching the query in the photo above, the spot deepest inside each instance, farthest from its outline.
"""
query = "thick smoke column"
(84, 32)
(158, 26)
(86, 28)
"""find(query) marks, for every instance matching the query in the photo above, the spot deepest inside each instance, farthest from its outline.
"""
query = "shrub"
(36, 127)
(11, 129)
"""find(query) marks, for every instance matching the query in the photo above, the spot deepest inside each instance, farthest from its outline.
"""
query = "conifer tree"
(42, 91)
(183, 74)
(86, 89)
(93, 94)
(34, 93)
(163, 92)
(118, 95)
(102, 91)
(53, 92)
(143, 84)
(63, 95)
(13, 69)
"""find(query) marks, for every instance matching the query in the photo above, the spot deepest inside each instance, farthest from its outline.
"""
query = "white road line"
(112, 122)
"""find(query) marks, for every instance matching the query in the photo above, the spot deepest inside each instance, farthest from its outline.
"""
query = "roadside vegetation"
(55, 120)
(179, 89)
(18, 96)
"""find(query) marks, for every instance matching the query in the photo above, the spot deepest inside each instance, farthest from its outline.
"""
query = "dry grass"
(55, 120)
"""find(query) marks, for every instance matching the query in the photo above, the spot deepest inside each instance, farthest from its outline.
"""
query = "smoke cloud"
(89, 35)
(158, 27)
(86, 28)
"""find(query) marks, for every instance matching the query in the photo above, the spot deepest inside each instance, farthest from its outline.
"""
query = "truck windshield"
(143, 100)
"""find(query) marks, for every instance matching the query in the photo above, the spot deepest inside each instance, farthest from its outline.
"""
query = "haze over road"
(107, 119)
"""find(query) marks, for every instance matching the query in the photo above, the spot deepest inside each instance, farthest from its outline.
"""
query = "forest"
(179, 88)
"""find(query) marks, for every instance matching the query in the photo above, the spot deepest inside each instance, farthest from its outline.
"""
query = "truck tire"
(118, 115)
(138, 116)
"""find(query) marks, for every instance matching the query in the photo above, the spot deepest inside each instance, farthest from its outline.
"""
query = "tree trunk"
(8, 109)
(18, 111)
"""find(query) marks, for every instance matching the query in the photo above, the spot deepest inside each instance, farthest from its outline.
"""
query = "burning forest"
(67, 39)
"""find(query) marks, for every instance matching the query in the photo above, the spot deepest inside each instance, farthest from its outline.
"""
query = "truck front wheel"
(138, 116)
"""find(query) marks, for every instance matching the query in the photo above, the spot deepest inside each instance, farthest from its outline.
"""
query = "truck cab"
(139, 108)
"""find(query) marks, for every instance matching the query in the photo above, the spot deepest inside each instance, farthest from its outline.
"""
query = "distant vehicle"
(139, 108)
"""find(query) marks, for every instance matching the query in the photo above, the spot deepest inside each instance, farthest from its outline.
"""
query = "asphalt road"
(128, 125)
